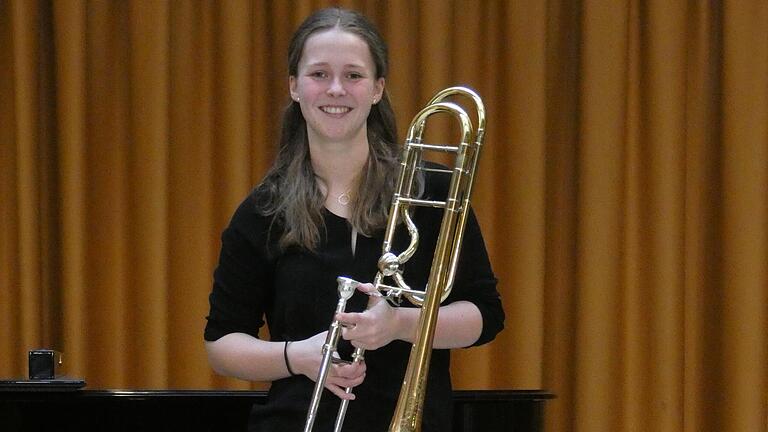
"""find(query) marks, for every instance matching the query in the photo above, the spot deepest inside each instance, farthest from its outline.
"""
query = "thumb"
(374, 296)
(367, 288)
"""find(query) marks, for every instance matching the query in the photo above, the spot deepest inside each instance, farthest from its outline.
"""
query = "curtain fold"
(600, 220)
(745, 214)
(622, 189)
(70, 103)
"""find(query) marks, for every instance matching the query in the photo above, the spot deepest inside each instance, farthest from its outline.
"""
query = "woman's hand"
(379, 325)
(306, 357)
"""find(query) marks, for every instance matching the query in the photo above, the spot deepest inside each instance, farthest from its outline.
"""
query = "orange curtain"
(623, 191)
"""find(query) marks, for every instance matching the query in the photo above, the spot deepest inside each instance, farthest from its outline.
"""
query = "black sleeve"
(476, 283)
(241, 279)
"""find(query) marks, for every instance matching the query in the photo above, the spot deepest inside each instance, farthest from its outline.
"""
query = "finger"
(335, 359)
(367, 288)
(349, 319)
(351, 382)
(345, 382)
(349, 370)
(358, 333)
(346, 326)
(340, 392)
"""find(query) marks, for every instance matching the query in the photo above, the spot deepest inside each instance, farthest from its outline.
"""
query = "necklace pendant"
(343, 199)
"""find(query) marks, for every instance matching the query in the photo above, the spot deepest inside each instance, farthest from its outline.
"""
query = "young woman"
(320, 212)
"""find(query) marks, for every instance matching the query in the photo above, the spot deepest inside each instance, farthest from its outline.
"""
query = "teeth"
(335, 110)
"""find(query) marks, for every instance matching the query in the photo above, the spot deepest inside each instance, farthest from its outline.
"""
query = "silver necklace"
(343, 199)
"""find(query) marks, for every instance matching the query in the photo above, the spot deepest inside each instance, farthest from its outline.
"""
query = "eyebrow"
(349, 65)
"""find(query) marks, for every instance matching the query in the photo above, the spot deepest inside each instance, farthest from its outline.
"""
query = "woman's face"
(336, 85)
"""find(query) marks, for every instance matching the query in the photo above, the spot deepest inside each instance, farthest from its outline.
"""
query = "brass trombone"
(408, 412)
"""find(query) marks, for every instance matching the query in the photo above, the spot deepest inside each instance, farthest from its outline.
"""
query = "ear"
(292, 88)
(378, 90)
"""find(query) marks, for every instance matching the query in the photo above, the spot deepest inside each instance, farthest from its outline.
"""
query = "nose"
(336, 88)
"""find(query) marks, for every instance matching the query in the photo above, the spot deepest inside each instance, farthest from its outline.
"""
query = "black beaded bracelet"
(285, 356)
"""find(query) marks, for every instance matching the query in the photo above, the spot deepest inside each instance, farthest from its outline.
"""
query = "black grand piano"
(46, 406)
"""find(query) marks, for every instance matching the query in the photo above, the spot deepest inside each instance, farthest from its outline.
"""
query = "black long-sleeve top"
(296, 292)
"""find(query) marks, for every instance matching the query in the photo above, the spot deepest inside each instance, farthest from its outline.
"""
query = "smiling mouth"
(335, 109)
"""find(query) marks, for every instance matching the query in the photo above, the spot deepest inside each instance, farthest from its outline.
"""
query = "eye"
(354, 75)
(318, 74)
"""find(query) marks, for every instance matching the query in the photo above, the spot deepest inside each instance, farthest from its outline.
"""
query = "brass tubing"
(409, 409)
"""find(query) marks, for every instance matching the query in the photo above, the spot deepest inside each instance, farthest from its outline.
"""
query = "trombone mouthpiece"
(346, 287)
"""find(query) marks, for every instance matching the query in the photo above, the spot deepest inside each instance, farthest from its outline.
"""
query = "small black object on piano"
(45, 364)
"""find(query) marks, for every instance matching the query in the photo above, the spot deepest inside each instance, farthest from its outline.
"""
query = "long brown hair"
(289, 191)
